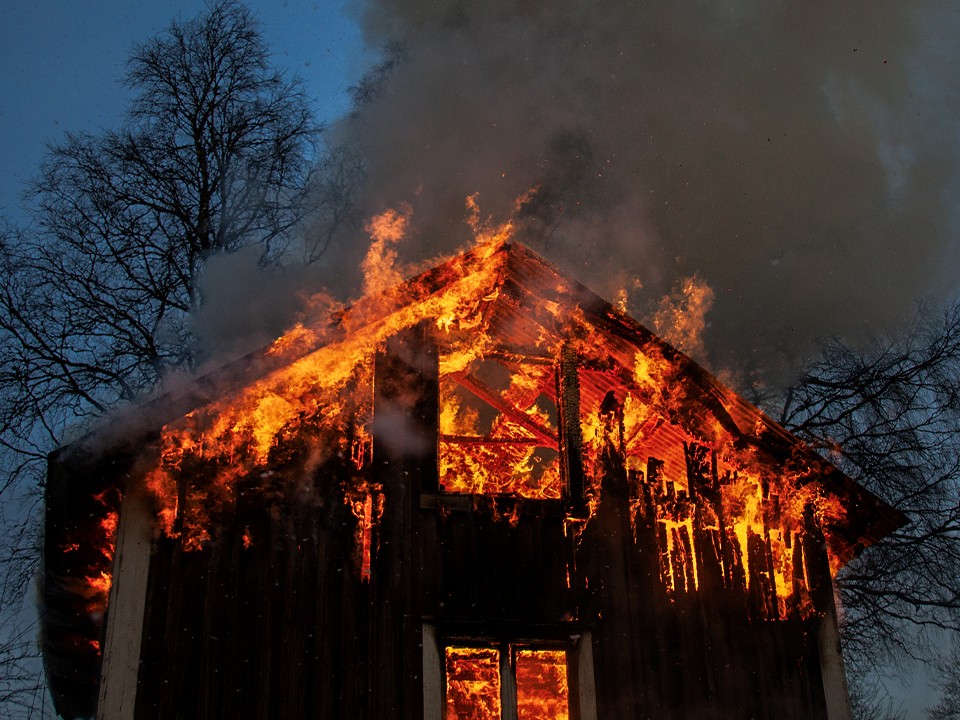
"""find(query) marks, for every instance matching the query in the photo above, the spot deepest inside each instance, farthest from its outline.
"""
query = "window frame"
(581, 694)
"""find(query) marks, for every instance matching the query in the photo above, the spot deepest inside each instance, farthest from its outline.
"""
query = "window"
(472, 683)
(489, 683)
(477, 680)
(498, 430)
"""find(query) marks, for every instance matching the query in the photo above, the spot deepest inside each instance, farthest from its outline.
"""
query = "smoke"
(798, 157)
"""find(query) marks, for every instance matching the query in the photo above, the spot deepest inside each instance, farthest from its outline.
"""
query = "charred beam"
(519, 356)
(568, 410)
(546, 437)
(478, 440)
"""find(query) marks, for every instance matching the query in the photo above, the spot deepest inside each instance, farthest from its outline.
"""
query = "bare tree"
(97, 298)
(870, 700)
(948, 708)
(218, 152)
(889, 417)
(22, 691)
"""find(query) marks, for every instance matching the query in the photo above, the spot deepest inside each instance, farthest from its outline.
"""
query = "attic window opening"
(498, 429)
(526, 682)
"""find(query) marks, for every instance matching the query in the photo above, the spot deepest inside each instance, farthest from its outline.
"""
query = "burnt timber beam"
(568, 411)
(405, 423)
(489, 441)
(518, 356)
(545, 436)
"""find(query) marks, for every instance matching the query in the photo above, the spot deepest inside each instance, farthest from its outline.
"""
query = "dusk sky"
(875, 99)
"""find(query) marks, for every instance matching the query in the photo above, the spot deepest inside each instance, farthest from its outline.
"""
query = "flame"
(101, 583)
(542, 690)
(681, 317)
(95, 579)
(366, 504)
(507, 459)
(713, 511)
(322, 400)
(698, 491)
(379, 266)
(294, 341)
(473, 683)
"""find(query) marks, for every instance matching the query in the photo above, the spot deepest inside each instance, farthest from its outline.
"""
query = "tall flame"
(681, 317)
(379, 265)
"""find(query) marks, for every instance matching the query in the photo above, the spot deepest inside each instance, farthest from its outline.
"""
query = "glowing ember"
(366, 504)
(542, 684)
(473, 683)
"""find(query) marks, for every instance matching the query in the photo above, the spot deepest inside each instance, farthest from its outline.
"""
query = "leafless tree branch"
(889, 416)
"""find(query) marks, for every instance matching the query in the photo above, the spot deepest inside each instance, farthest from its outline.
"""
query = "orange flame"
(542, 690)
(713, 513)
(681, 317)
(366, 504)
(386, 229)
(473, 683)
(325, 395)
(94, 584)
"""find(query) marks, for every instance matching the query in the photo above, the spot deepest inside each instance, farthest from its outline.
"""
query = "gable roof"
(525, 306)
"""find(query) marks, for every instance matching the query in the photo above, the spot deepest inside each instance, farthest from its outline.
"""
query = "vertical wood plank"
(131, 569)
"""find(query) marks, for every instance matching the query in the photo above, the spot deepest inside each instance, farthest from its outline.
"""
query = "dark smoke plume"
(799, 157)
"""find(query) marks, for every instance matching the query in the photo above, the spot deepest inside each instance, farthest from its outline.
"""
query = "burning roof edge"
(126, 427)
(870, 518)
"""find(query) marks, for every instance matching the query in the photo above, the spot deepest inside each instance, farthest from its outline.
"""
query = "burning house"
(480, 493)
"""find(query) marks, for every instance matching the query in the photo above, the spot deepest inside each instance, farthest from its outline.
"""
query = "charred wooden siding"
(281, 628)
(286, 626)
(697, 655)
(483, 570)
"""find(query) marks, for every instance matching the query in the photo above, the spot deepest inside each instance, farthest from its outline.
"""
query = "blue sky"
(62, 61)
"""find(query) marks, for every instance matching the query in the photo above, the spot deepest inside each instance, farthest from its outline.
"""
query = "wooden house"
(481, 493)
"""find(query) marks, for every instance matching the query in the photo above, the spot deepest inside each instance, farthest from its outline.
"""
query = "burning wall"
(543, 420)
